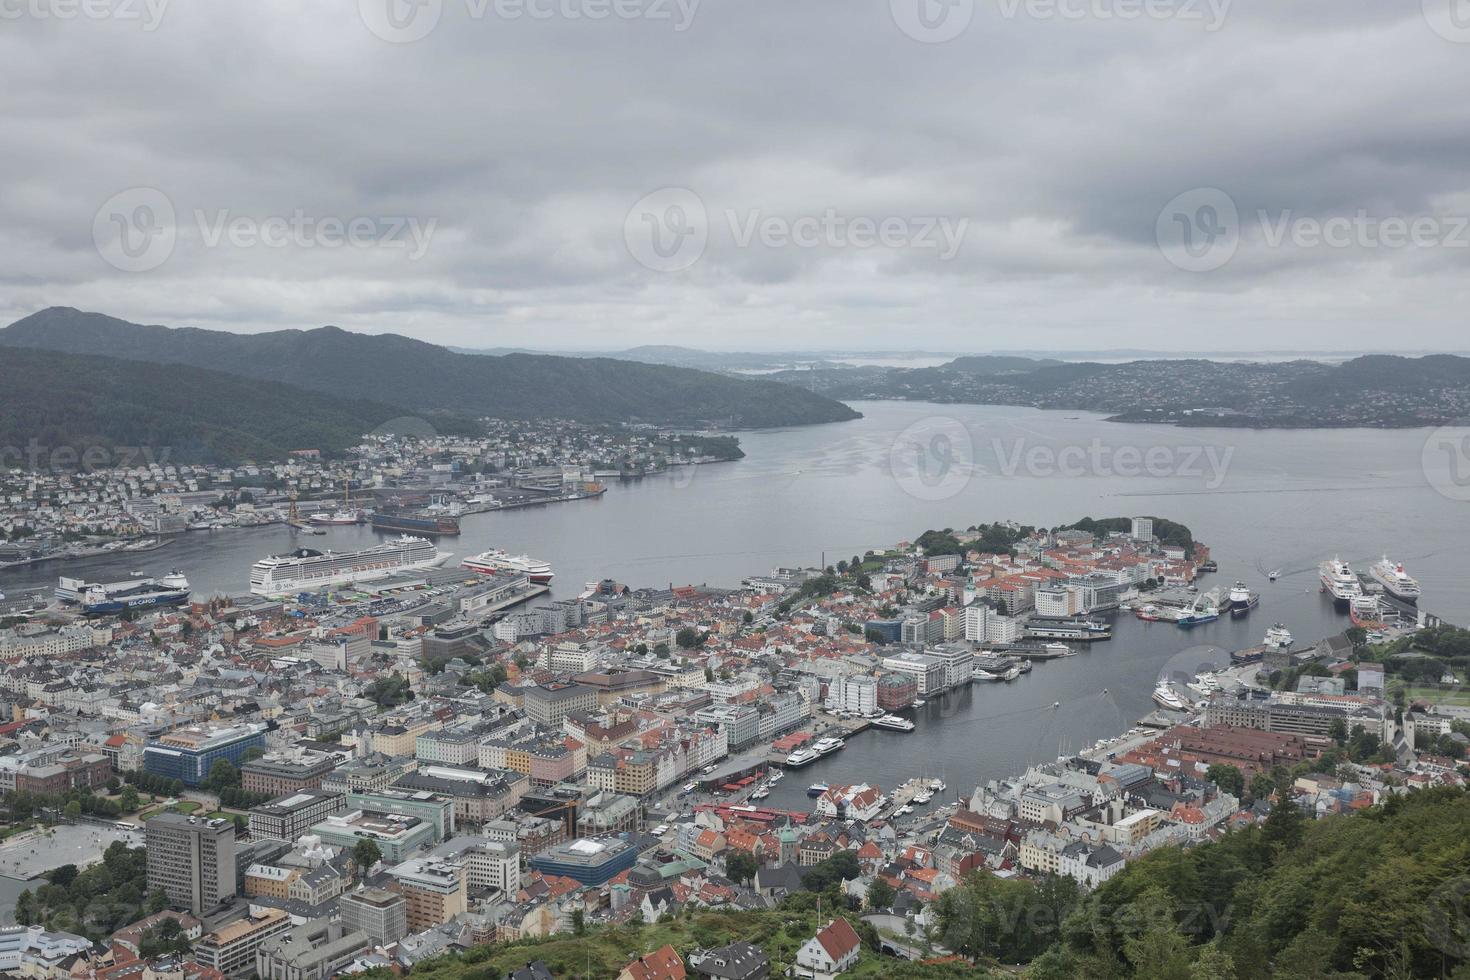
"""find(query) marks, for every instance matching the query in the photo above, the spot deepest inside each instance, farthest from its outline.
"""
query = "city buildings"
(192, 859)
(187, 754)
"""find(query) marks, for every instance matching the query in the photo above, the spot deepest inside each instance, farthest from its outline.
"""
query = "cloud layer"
(818, 146)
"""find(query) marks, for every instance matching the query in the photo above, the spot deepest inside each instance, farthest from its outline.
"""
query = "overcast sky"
(747, 174)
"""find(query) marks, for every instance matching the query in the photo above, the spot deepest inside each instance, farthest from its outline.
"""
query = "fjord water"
(1261, 500)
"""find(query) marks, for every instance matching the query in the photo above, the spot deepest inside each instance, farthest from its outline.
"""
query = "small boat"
(760, 794)
(777, 775)
(1274, 575)
(817, 789)
(919, 703)
(923, 797)
(1148, 613)
(1056, 704)
(905, 810)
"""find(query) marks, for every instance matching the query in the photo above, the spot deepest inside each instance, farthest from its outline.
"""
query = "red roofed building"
(661, 964)
(832, 951)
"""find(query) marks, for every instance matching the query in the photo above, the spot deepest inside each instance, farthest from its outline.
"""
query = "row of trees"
(95, 902)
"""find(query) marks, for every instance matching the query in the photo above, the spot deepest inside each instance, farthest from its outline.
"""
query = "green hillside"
(169, 412)
(425, 377)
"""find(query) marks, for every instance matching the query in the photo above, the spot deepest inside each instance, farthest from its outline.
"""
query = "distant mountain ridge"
(423, 377)
(56, 407)
(1373, 390)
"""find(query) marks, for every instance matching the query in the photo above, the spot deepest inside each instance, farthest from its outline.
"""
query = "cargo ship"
(431, 525)
(134, 595)
(305, 568)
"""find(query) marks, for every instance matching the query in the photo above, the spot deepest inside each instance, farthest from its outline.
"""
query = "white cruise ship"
(495, 562)
(1398, 583)
(308, 569)
(1340, 580)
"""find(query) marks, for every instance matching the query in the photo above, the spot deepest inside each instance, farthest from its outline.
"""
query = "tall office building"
(192, 859)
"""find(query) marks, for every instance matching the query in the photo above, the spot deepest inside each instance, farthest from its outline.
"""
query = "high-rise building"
(382, 914)
(192, 859)
(1143, 529)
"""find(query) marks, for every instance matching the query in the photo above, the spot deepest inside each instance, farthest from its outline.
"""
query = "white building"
(857, 693)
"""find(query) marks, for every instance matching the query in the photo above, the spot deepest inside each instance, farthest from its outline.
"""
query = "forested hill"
(168, 412)
(424, 377)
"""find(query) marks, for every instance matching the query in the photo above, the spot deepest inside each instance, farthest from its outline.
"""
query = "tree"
(166, 938)
(73, 810)
(157, 901)
(740, 866)
(579, 922)
(880, 894)
(25, 909)
(222, 774)
(688, 638)
(1228, 778)
(366, 854)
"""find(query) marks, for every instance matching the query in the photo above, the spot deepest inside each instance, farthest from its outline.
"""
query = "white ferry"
(1398, 583)
(826, 746)
(497, 562)
(893, 722)
(306, 568)
(801, 757)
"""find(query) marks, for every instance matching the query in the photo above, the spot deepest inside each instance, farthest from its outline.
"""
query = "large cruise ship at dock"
(1339, 579)
(1395, 581)
(305, 568)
